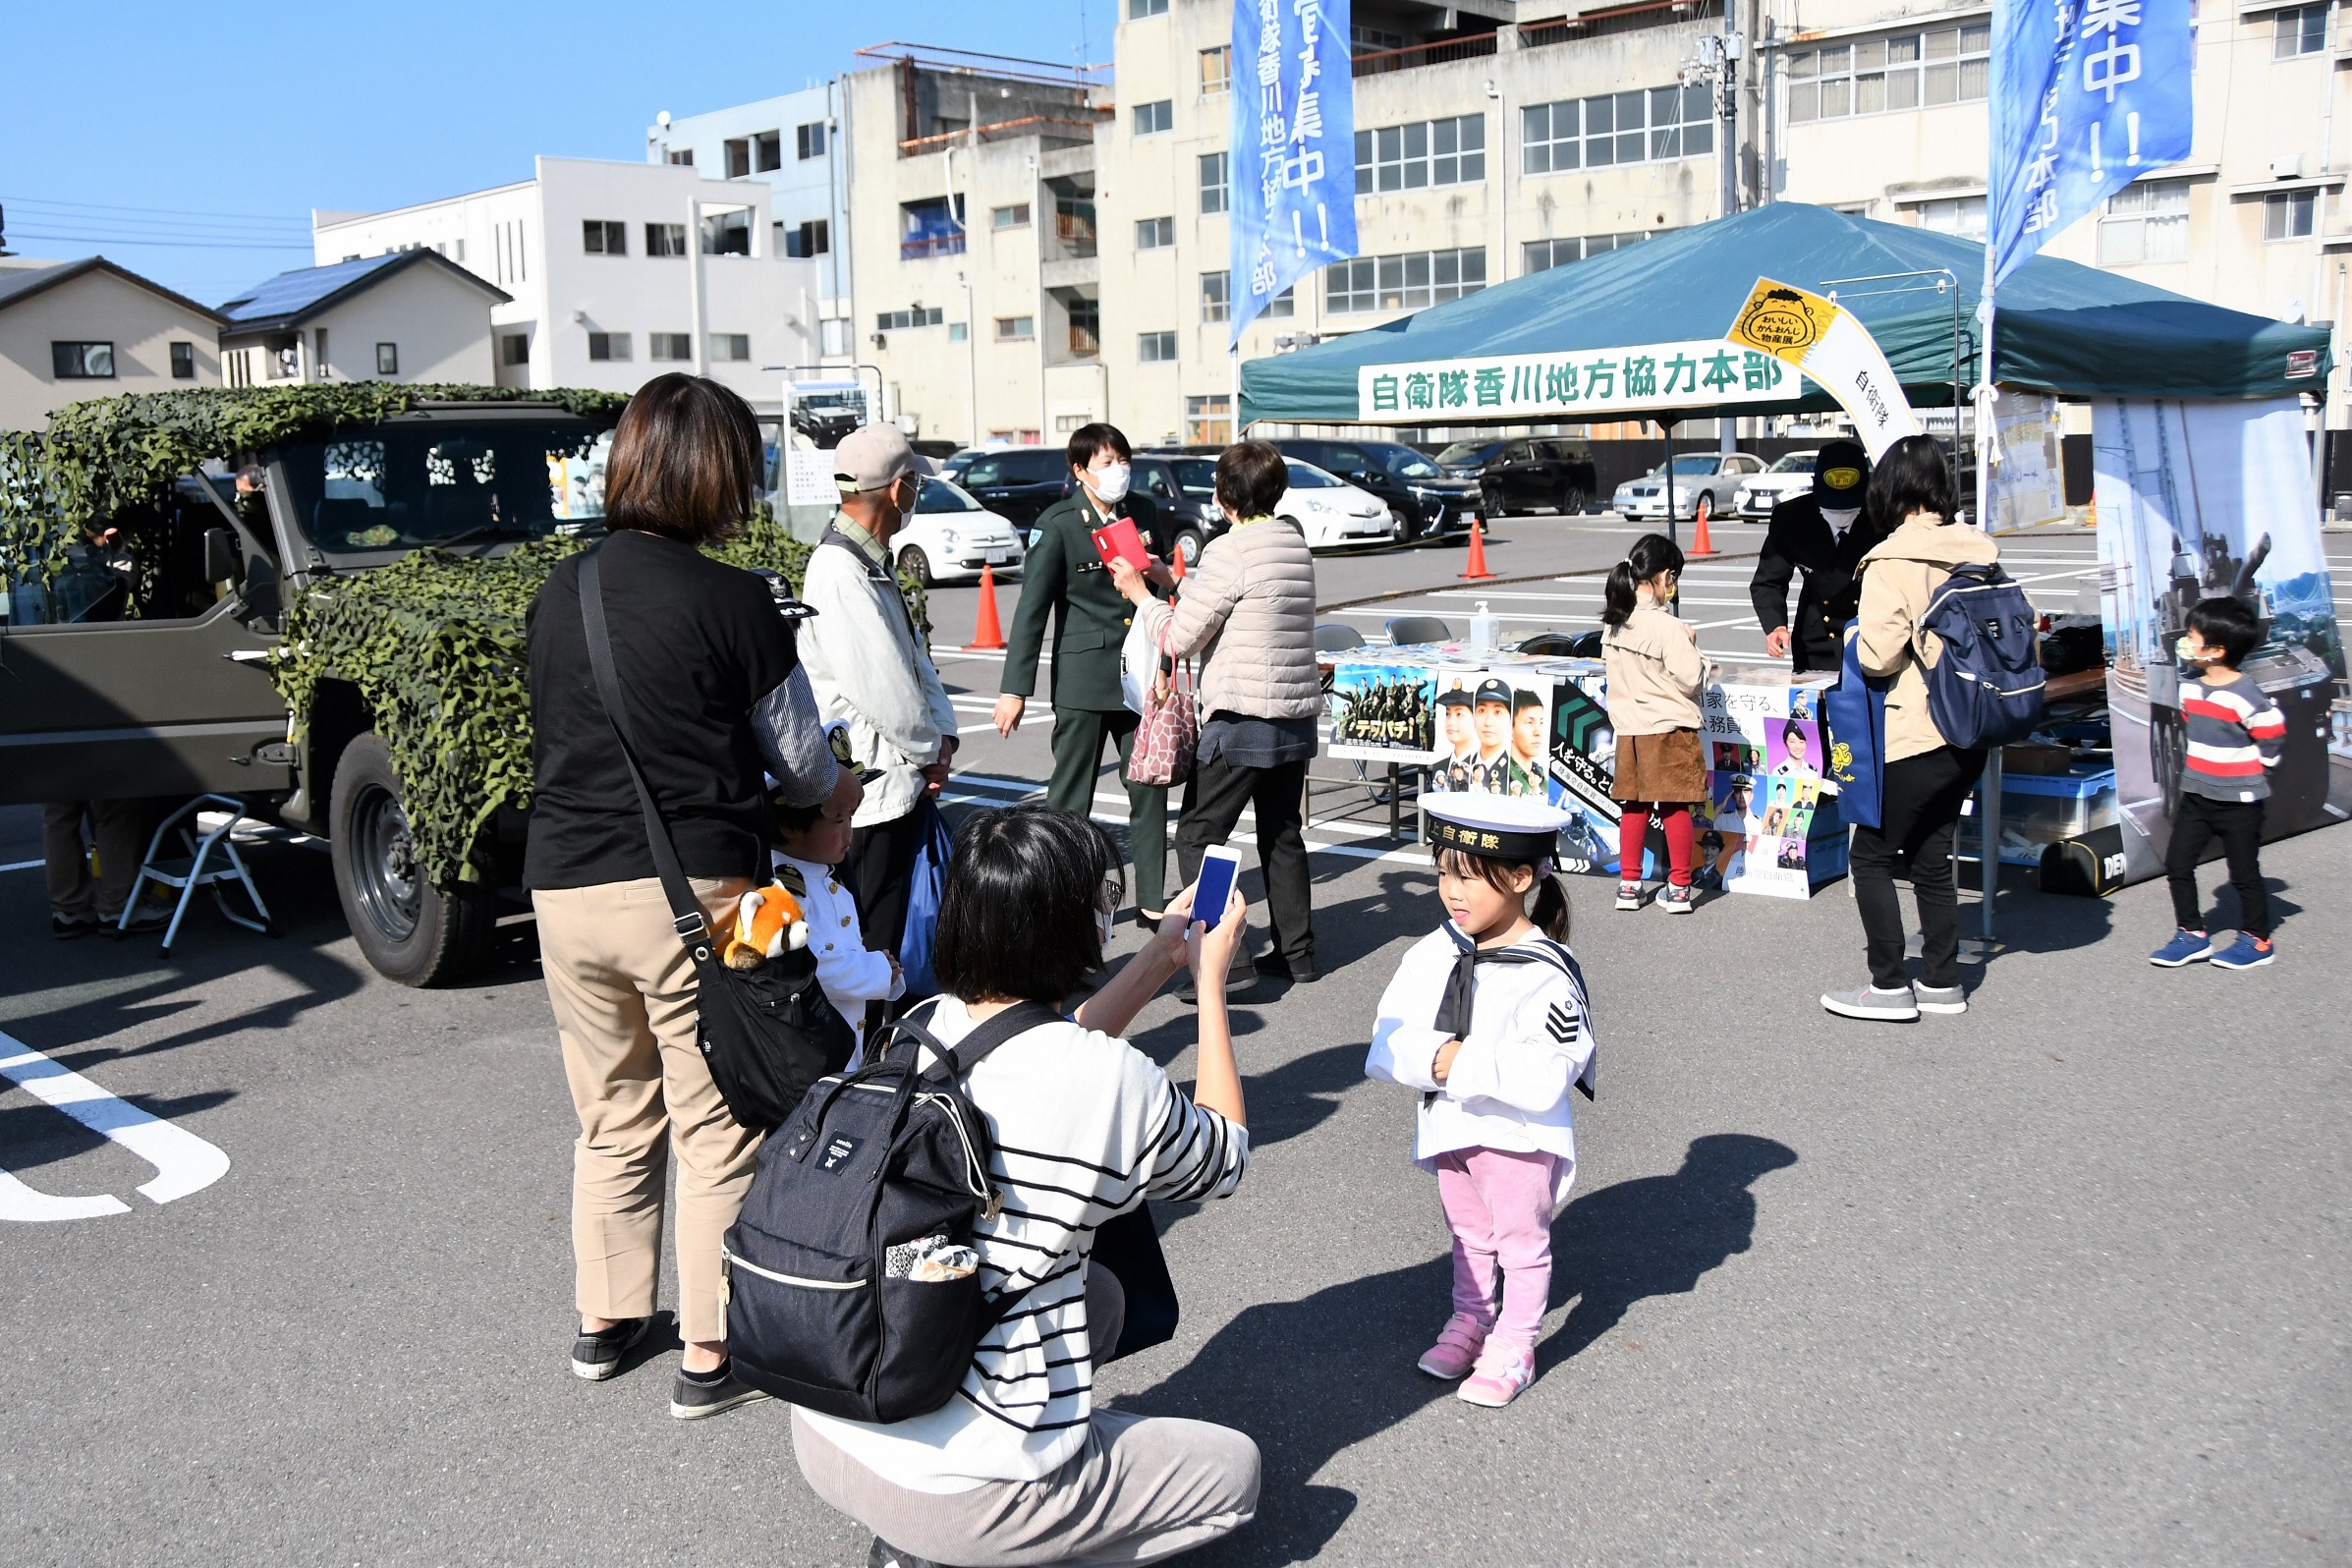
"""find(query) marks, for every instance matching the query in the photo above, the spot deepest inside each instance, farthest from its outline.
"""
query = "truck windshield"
(396, 486)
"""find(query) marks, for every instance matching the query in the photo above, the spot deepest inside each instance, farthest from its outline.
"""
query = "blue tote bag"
(1854, 711)
(927, 879)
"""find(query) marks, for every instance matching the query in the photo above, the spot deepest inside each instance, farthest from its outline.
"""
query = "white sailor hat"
(1508, 828)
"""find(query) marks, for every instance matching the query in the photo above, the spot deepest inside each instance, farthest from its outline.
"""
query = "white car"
(1784, 481)
(951, 536)
(1331, 512)
(1717, 476)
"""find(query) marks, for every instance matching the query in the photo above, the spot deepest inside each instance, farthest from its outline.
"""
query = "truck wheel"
(409, 930)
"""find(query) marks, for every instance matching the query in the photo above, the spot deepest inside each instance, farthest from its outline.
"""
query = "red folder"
(1118, 539)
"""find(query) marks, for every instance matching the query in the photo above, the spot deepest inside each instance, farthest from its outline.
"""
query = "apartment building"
(615, 272)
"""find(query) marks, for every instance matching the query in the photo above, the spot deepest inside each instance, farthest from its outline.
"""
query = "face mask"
(1102, 927)
(1111, 484)
(2182, 648)
(1840, 518)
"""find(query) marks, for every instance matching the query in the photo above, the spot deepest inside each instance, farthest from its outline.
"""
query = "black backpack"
(850, 1280)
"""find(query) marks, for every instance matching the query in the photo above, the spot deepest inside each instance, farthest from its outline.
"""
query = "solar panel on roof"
(290, 293)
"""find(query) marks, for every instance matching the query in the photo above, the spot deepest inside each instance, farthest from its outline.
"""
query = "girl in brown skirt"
(1655, 677)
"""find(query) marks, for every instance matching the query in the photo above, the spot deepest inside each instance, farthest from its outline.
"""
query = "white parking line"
(21, 865)
(184, 1162)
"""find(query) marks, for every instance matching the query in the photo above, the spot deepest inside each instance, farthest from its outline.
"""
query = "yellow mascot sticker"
(1781, 320)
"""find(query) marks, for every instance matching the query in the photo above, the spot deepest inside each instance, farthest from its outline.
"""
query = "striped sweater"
(1086, 1127)
(2236, 735)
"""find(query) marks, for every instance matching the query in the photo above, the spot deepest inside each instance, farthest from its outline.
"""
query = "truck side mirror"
(220, 556)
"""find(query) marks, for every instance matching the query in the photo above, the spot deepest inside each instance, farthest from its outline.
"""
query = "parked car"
(1786, 479)
(1183, 490)
(1715, 476)
(1525, 474)
(951, 536)
(1331, 512)
(1016, 483)
(1426, 500)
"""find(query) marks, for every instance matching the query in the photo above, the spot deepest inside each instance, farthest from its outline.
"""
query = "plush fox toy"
(767, 925)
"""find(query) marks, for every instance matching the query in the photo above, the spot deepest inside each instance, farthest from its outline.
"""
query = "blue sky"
(190, 141)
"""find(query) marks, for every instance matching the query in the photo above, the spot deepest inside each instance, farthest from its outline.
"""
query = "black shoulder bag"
(765, 1033)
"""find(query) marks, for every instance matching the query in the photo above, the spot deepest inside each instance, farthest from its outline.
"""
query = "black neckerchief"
(1453, 1008)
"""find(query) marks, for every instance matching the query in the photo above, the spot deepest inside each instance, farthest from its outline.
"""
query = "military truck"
(182, 696)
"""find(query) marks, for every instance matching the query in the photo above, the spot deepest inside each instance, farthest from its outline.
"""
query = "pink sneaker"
(1457, 1348)
(1503, 1370)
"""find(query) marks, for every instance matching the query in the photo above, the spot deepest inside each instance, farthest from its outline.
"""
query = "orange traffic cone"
(988, 634)
(1176, 561)
(1700, 545)
(1473, 569)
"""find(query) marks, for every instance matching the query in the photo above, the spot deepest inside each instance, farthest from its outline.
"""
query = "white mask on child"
(1111, 484)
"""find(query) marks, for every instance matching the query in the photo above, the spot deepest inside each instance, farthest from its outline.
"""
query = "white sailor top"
(1530, 1042)
(851, 972)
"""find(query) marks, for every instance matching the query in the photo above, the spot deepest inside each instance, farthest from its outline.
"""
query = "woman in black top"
(710, 676)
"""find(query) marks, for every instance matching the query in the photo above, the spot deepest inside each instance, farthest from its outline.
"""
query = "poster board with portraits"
(1770, 823)
(1381, 710)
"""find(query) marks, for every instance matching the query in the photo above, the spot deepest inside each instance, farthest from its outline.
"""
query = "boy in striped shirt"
(2236, 735)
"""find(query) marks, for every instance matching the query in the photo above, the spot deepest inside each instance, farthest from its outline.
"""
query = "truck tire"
(411, 931)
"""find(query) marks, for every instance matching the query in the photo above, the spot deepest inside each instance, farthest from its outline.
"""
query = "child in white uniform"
(810, 841)
(1487, 1018)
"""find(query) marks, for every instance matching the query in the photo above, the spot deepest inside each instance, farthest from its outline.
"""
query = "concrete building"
(71, 330)
(604, 288)
(406, 315)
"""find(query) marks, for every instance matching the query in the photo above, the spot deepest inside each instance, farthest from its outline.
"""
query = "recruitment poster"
(1767, 827)
(1381, 712)
(1493, 730)
(2198, 499)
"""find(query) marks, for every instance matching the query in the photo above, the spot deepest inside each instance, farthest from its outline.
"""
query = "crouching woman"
(1020, 1467)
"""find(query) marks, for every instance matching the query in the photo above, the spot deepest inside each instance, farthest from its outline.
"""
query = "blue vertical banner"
(1292, 149)
(2087, 96)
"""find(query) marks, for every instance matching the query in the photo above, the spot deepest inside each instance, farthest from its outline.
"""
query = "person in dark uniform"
(1064, 577)
(1823, 534)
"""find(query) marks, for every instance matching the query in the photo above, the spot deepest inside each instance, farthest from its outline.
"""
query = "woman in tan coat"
(1655, 677)
(1927, 779)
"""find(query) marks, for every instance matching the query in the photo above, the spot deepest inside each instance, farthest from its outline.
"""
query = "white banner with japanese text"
(1583, 383)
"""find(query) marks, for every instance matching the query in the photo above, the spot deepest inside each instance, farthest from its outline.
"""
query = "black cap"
(1453, 697)
(1840, 470)
(1496, 690)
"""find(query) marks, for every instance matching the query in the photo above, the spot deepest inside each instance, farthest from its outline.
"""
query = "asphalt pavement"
(2064, 1279)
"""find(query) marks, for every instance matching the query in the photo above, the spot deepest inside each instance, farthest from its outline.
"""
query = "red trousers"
(1682, 844)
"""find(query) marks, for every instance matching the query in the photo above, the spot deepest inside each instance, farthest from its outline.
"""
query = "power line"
(159, 244)
(181, 212)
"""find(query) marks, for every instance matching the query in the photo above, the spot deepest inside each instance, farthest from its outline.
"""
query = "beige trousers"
(122, 830)
(623, 989)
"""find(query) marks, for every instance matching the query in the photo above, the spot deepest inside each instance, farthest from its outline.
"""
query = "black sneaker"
(65, 928)
(711, 1393)
(885, 1555)
(1276, 967)
(598, 1356)
(143, 917)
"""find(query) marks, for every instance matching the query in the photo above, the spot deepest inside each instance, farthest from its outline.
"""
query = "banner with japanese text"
(1589, 383)
(1292, 149)
(2087, 96)
(1833, 347)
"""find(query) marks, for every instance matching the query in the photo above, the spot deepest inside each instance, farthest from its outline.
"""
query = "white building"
(407, 316)
(605, 290)
(71, 330)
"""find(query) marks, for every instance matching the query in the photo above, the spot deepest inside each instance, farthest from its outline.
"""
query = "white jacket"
(1530, 1042)
(851, 974)
(869, 670)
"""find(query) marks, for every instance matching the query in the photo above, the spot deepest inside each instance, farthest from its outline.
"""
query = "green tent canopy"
(1539, 347)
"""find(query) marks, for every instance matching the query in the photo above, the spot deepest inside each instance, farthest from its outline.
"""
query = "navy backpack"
(1986, 688)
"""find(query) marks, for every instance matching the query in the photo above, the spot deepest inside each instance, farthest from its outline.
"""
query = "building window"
(684, 157)
(808, 140)
(1064, 423)
(1427, 152)
(1155, 348)
(1137, 10)
(731, 348)
(738, 155)
(1284, 304)
(1960, 215)
(597, 237)
(1638, 126)
(1016, 328)
(387, 357)
(2299, 33)
(904, 321)
(1541, 255)
(665, 238)
(1208, 421)
(1216, 296)
(608, 345)
(318, 352)
(1406, 282)
(183, 361)
(669, 348)
(727, 234)
(833, 334)
(82, 361)
(1906, 70)
(767, 151)
(1153, 118)
(958, 331)
(812, 237)
(515, 348)
(1086, 327)
(2285, 216)
(934, 226)
(1212, 183)
(1216, 69)
(1154, 234)
(1015, 217)
(2145, 222)
(1374, 40)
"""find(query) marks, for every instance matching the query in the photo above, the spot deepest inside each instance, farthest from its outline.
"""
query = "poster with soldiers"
(1381, 712)
(1493, 729)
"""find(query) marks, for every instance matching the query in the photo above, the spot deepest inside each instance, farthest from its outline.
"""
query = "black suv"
(1429, 499)
(1017, 482)
(1183, 488)
(1526, 473)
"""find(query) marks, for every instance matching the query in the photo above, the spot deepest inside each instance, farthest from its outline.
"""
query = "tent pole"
(1988, 791)
(1672, 531)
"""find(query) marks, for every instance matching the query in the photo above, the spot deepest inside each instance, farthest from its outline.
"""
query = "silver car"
(1715, 476)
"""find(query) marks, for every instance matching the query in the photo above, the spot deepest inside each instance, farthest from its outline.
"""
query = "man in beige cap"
(870, 669)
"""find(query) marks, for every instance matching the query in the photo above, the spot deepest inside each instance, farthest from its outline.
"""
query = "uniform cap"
(1453, 697)
(1507, 828)
(1496, 690)
(1840, 470)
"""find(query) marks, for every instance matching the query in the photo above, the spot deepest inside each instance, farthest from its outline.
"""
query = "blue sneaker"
(2243, 954)
(2186, 947)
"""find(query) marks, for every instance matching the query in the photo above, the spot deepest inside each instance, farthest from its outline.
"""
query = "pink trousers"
(1498, 1206)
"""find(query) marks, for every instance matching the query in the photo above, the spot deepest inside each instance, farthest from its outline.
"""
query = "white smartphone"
(1221, 868)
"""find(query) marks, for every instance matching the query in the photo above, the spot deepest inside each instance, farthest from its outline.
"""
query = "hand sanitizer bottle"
(1481, 629)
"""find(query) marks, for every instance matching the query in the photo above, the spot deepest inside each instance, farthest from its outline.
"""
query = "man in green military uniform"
(1064, 577)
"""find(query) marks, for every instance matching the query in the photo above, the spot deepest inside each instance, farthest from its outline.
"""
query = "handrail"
(915, 146)
(1378, 62)
(940, 57)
